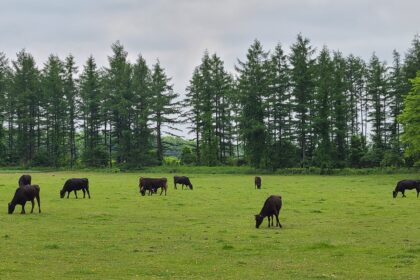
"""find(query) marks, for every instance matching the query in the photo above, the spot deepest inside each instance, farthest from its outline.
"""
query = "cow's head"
(191, 187)
(258, 220)
(143, 191)
(11, 208)
(62, 193)
(394, 194)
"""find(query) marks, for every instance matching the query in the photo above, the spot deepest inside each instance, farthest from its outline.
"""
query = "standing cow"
(257, 182)
(24, 194)
(152, 184)
(271, 208)
(75, 184)
(24, 180)
(406, 185)
(183, 180)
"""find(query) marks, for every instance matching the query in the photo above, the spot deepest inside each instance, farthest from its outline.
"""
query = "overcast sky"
(178, 31)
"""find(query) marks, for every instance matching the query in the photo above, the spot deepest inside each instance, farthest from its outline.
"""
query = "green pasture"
(334, 227)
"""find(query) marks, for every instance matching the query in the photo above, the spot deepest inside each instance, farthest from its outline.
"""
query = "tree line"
(277, 110)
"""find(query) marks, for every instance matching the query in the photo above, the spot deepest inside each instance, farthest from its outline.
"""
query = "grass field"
(334, 227)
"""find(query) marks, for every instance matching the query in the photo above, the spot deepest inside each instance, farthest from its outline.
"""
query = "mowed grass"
(334, 227)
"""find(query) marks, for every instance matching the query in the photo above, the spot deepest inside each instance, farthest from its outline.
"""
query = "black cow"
(152, 184)
(24, 180)
(75, 184)
(406, 185)
(258, 182)
(183, 180)
(271, 208)
(22, 195)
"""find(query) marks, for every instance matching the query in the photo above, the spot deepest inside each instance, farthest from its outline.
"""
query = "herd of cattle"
(271, 208)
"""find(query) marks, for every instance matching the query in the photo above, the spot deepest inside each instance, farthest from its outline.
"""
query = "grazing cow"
(24, 180)
(258, 182)
(152, 184)
(22, 195)
(75, 184)
(183, 180)
(406, 185)
(271, 208)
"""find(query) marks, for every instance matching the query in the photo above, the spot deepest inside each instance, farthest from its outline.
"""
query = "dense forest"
(305, 108)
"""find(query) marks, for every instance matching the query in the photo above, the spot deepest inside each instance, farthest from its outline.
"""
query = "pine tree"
(412, 59)
(279, 109)
(193, 114)
(302, 82)
(71, 95)
(5, 73)
(120, 101)
(322, 122)
(164, 106)
(94, 153)
(397, 92)
(377, 92)
(355, 79)
(55, 109)
(253, 89)
(25, 98)
(340, 109)
(142, 133)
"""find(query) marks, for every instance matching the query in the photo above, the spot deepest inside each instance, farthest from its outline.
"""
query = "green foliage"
(410, 119)
(275, 111)
(187, 156)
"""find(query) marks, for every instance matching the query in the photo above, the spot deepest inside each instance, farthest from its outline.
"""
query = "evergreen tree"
(24, 104)
(397, 92)
(412, 59)
(120, 101)
(377, 92)
(55, 110)
(193, 114)
(94, 153)
(142, 133)
(70, 93)
(302, 82)
(164, 108)
(340, 109)
(356, 97)
(5, 72)
(279, 109)
(324, 92)
(253, 89)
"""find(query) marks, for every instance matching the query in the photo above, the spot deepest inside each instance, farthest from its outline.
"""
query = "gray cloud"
(177, 32)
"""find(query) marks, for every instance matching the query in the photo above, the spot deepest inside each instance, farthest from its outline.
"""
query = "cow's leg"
(75, 193)
(33, 204)
(175, 185)
(23, 209)
(84, 193)
(278, 221)
(403, 193)
(68, 194)
(39, 203)
(87, 190)
(268, 217)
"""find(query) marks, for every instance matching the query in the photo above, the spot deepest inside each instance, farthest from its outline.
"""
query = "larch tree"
(253, 84)
(164, 106)
(302, 83)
